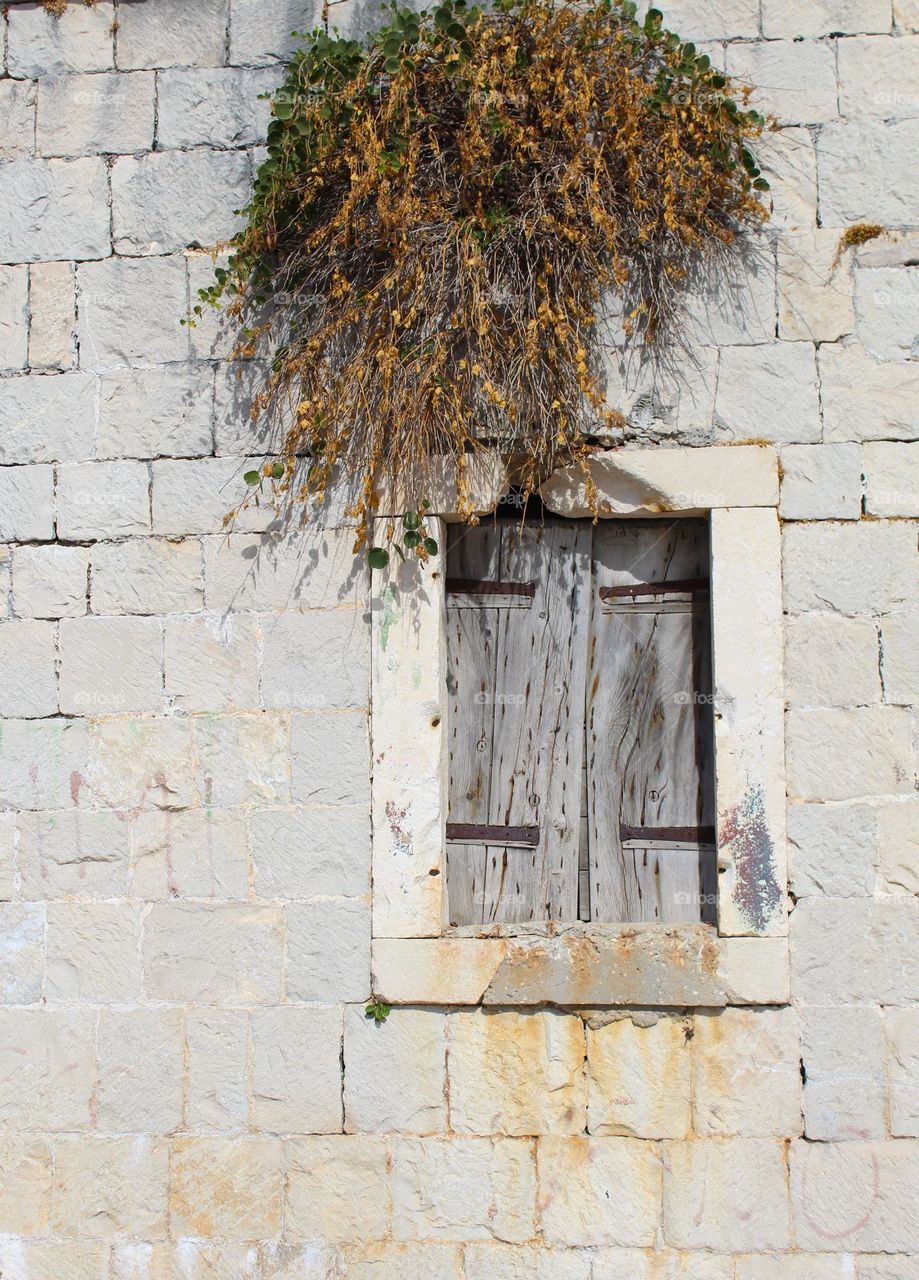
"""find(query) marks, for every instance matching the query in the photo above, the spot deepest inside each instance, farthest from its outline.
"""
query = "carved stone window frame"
(417, 957)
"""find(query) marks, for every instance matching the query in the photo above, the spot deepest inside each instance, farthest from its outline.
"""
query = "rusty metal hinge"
(683, 586)
(485, 833)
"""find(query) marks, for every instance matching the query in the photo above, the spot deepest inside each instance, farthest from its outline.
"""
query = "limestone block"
(196, 853)
(854, 1195)
(52, 312)
(328, 949)
(196, 496)
(53, 210)
(236, 386)
(902, 1042)
(296, 1070)
(795, 81)
(298, 853)
(47, 419)
(887, 308)
(17, 118)
(46, 1260)
(789, 163)
(42, 44)
(906, 14)
(212, 662)
(147, 575)
(243, 759)
(129, 311)
(842, 754)
(516, 1073)
(329, 758)
(157, 35)
(217, 1066)
(212, 954)
(170, 200)
(898, 839)
(141, 1067)
(842, 1051)
(47, 1069)
(109, 1187)
(39, 760)
(213, 334)
(86, 115)
(821, 482)
(25, 1193)
(629, 1264)
(14, 317)
(696, 20)
(879, 962)
(22, 927)
(676, 400)
(747, 1077)
(139, 764)
(7, 856)
(889, 1268)
(768, 391)
(110, 665)
(522, 1262)
(891, 478)
(850, 568)
(93, 951)
(50, 582)
(102, 500)
(463, 1189)
(337, 673)
(29, 687)
(865, 173)
(832, 850)
(831, 660)
(226, 1187)
(394, 1073)
(792, 1266)
(892, 249)
(435, 970)
(72, 854)
(638, 1079)
(261, 30)
(26, 504)
(864, 399)
(877, 78)
(900, 657)
(315, 570)
(815, 289)
(598, 1191)
(218, 108)
(741, 310)
(784, 18)
(186, 1260)
(754, 971)
(384, 1261)
(726, 1193)
(337, 1188)
(152, 413)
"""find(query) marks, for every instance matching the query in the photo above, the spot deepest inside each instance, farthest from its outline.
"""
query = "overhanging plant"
(443, 215)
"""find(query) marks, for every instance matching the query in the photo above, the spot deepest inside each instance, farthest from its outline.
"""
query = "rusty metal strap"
(681, 835)
(483, 587)
(682, 585)
(483, 833)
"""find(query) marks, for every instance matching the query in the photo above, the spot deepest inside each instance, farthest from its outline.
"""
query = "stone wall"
(189, 1088)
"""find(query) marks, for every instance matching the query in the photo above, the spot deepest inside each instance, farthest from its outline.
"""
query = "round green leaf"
(412, 539)
(252, 477)
(411, 520)
(431, 547)
(378, 557)
(277, 470)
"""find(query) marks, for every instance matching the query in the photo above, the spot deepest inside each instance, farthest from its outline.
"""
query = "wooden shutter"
(518, 617)
(649, 731)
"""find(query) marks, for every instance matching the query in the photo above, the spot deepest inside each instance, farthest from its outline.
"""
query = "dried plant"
(443, 217)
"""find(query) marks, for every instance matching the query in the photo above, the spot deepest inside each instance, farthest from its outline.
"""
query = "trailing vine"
(451, 220)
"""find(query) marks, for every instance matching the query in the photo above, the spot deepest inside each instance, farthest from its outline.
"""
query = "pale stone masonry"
(189, 1087)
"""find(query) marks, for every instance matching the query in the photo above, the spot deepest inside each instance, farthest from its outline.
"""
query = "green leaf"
(378, 557)
(253, 477)
(761, 185)
(282, 110)
(412, 539)
(411, 520)
(431, 547)
(277, 470)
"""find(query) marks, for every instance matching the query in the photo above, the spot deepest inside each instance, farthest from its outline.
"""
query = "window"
(579, 722)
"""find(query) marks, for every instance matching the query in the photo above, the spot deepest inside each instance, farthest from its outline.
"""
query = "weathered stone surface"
(196, 496)
(17, 118)
(140, 1072)
(268, 571)
(598, 1191)
(44, 1260)
(102, 500)
(50, 582)
(854, 1195)
(26, 503)
(195, 853)
(875, 760)
(129, 311)
(53, 209)
(877, 78)
(52, 313)
(337, 1188)
(153, 413)
(171, 200)
(296, 1071)
(110, 1187)
(39, 760)
(726, 1193)
(212, 662)
(629, 1264)
(902, 1039)
(298, 853)
(463, 1189)
(72, 854)
(877, 1268)
(815, 287)
(46, 1069)
(22, 927)
(516, 1073)
(329, 758)
(328, 949)
(638, 1079)
(47, 419)
(898, 838)
(850, 568)
(156, 36)
(42, 45)
(137, 765)
(260, 30)
(789, 163)
(243, 759)
(864, 399)
(832, 850)
(739, 309)
(823, 18)
(435, 970)
(227, 1187)
(887, 308)
(695, 20)
(7, 854)
(879, 962)
(891, 478)
(755, 970)
(186, 1260)
(795, 81)
(865, 174)
(831, 660)
(25, 1192)
(217, 1068)
(385, 1261)
(14, 317)
(218, 108)
(521, 1262)
(93, 951)
(821, 482)
(790, 1266)
(906, 14)
(842, 1051)
(29, 686)
(110, 665)
(675, 400)
(747, 1077)
(87, 115)
(337, 674)
(394, 1074)
(147, 576)
(212, 955)
(757, 388)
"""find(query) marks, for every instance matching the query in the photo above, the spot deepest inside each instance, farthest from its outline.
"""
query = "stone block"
(435, 970)
(25, 1193)
(887, 310)
(47, 1069)
(141, 1068)
(22, 928)
(17, 118)
(756, 387)
(52, 313)
(195, 853)
(526, 1262)
(243, 759)
(72, 854)
(14, 317)
(147, 576)
(906, 14)
(296, 1069)
(740, 310)
(754, 971)
(26, 504)
(639, 1079)
(7, 856)
(171, 200)
(877, 78)
(42, 44)
(110, 665)
(629, 1264)
(299, 853)
(878, 1268)
(47, 419)
(832, 850)
(879, 962)
(222, 107)
(217, 1068)
(157, 35)
(902, 1044)
(154, 413)
(139, 764)
(394, 1073)
(785, 18)
(328, 949)
(599, 1191)
(726, 1193)
(337, 1188)
(197, 496)
(831, 661)
(212, 662)
(84, 115)
(53, 210)
(185, 1260)
(695, 20)
(102, 500)
(789, 163)
(50, 582)
(747, 1074)
(865, 567)
(329, 758)
(464, 1188)
(318, 570)
(891, 478)
(842, 1051)
(900, 657)
(794, 1266)
(93, 951)
(843, 754)
(865, 172)
(815, 287)
(212, 334)
(821, 482)
(39, 762)
(29, 687)
(898, 839)
(338, 672)
(864, 399)
(110, 1187)
(212, 954)
(851, 1196)
(385, 1261)
(793, 80)
(226, 1187)
(261, 31)
(130, 310)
